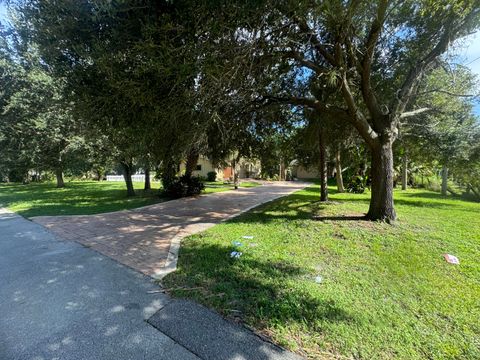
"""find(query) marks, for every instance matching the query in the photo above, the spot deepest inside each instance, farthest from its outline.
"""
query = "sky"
(469, 56)
(3, 11)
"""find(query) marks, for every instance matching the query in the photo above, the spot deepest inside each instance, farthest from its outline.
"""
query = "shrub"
(185, 186)
(357, 184)
(211, 176)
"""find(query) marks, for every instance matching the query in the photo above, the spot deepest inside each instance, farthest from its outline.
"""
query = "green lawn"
(78, 197)
(385, 291)
(84, 197)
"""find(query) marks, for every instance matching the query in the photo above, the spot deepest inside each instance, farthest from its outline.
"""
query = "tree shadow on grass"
(436, 205)
(306, 204)
(439, 196)
(290, 208)
(418, 203)
(250, 288)
(298, 206)
(69, 201)
(341, 218)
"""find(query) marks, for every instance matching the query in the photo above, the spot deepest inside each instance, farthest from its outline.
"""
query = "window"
(199, 168)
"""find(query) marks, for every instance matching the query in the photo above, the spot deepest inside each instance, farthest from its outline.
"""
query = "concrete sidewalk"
(61, 300)
(147, 239)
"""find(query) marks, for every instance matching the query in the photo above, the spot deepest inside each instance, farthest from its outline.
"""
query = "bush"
(185, 186)
(212, 176)
(19, 176)
(357, 184)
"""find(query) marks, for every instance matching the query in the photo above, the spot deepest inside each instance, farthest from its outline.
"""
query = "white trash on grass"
(451, 259)
(235, 254)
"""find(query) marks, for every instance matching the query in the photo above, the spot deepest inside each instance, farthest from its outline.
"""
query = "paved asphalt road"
(60, 300)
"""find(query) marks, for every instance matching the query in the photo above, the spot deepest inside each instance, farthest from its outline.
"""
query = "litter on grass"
(451, 259)
(247, 237)
(318, 279)
(156, 291)
(235, 254)
(237, 243)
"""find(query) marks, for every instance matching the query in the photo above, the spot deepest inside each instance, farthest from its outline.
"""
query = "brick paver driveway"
(147, 238)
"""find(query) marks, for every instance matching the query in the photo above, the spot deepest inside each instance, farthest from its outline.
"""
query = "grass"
(385, 291)
(218, 186)
(84, 197)
(77, 198)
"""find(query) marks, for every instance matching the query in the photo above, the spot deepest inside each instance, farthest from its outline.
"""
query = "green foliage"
(113, 72)
(356, 184)
(212, 176)
(122, 66)
(185, 186)
(448, 132)
(37, 129)
(240, 74)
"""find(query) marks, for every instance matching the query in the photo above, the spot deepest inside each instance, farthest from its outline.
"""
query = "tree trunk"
(404, 171)
(127, 175)
(362, 171)
(381, 201)
(330, 169)
(235, 174)
(147, 186)
(338, 170)
(168, 174)
(282, 174)
(475, 191)
(99, 174)
(444, 180)
(467, 190)
(59, 176)
(323, 167)
(191, 163)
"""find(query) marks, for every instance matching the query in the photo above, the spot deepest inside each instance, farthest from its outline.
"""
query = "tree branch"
(294, 100)
(372, 39)
(312, 103)
(406, 91)
(300, 58)
(448, 93)
(414, 112)
(313, 39)
(357, 118)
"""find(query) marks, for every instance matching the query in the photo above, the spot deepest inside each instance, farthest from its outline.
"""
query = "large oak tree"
(371, 54)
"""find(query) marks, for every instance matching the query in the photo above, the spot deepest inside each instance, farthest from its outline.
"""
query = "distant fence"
(136, 178)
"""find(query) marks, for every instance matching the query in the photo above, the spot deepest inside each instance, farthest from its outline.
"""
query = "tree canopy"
(152, 83)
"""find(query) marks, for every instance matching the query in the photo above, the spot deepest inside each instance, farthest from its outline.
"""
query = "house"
(245, 168)
(204, 166)
(249, 169)
(302, 172)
